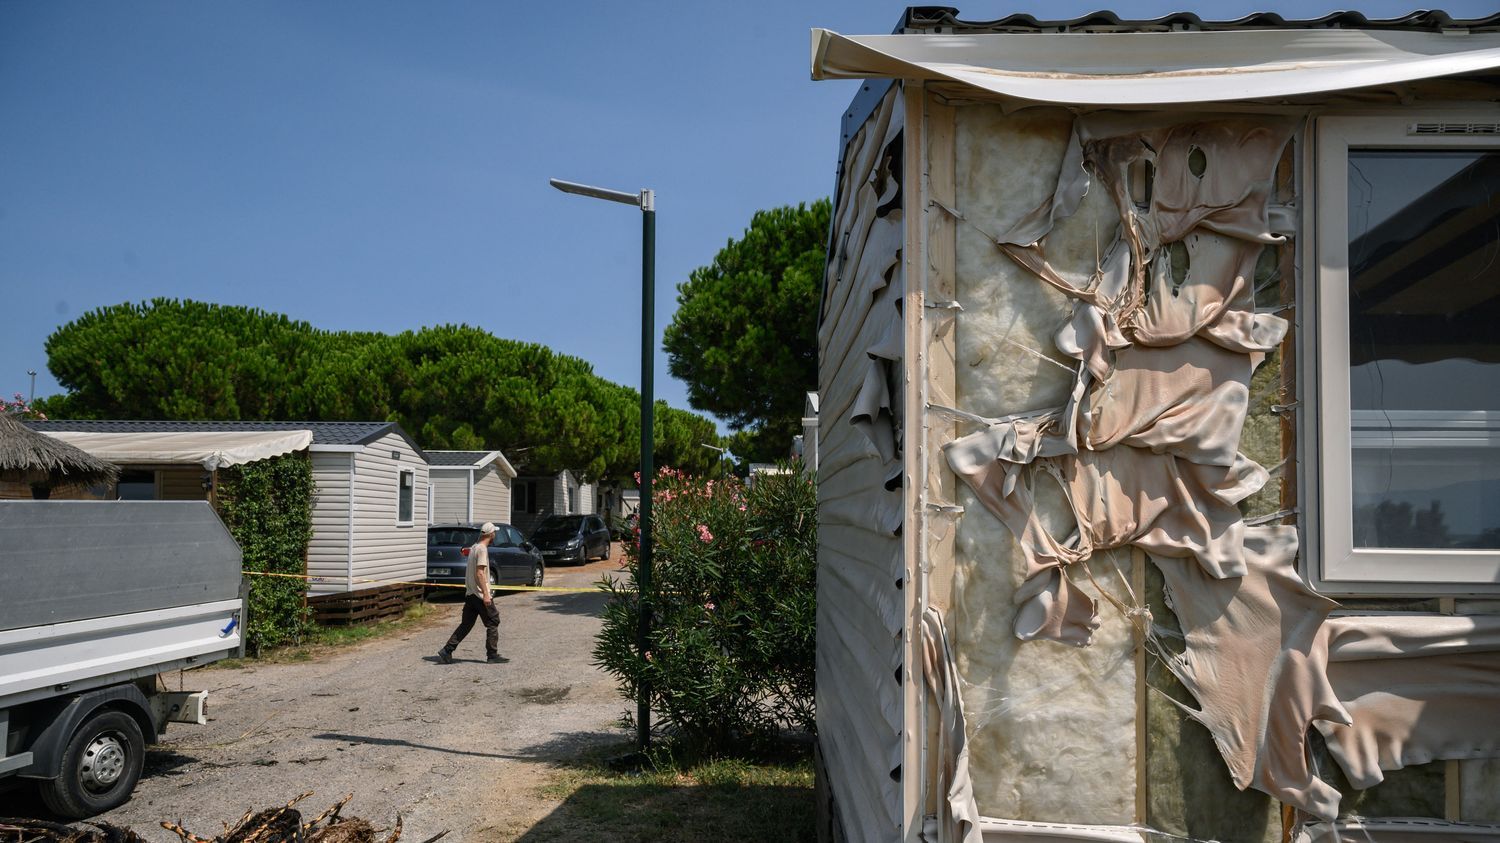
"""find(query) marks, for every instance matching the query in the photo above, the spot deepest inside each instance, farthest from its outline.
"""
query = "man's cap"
(487, 529)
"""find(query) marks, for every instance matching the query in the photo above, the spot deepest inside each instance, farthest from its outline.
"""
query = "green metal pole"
(648, 441)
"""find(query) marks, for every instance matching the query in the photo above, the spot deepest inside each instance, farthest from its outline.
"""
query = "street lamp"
(724, 454)
(32, 397)
(646, 201)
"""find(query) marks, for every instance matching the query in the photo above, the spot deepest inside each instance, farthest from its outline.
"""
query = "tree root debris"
(272, 825)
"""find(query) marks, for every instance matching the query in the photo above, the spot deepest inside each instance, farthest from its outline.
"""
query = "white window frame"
(402, 483)
(1337, 567)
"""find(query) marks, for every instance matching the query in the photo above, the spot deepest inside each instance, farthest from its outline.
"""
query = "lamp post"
(32, 397)
(724, 454)
(646, 201)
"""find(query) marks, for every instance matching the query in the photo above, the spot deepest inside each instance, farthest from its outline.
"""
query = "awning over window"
(210, 449)
(1156, 68)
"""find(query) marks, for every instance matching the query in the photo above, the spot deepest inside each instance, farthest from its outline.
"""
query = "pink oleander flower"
(704, 535)
(742, 507)
(709, 605)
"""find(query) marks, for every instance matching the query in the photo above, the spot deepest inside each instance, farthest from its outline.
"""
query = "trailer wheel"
(101, 765)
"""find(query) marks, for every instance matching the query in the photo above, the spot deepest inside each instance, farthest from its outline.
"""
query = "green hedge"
(733, 602)
(267, 506)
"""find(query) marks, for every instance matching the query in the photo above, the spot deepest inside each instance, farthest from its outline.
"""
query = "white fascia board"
(505, 466)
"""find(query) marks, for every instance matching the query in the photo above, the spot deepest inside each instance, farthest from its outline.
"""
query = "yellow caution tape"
(341, 580)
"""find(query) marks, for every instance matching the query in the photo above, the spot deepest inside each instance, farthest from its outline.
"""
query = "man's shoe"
(445, 657)
(497, 659)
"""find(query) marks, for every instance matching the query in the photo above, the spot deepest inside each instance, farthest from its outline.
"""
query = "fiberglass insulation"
(1051, 726)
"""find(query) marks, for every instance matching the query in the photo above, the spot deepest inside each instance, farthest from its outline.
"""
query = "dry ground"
(467, 747)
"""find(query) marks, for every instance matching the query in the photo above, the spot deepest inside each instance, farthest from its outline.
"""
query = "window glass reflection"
(1424, 347)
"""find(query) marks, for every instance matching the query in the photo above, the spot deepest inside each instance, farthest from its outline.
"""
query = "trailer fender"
(47, 749)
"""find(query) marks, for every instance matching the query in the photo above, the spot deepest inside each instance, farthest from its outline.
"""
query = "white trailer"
(96, 600)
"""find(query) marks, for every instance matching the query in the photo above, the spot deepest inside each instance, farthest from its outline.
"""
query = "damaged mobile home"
(1160, 431)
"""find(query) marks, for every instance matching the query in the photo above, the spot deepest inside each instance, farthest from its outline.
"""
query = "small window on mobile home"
(137, 485)
(1408, 420)
(406, 486)
(523, 494)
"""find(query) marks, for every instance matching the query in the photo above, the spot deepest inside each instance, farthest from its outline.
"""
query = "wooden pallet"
(366, 605)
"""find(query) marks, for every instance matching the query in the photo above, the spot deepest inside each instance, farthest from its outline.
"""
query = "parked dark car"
(572, 538)
(513, 560)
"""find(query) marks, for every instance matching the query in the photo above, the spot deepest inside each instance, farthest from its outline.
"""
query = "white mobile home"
(469, 486)
(536, 497)
(1159, 489)
(370, 483)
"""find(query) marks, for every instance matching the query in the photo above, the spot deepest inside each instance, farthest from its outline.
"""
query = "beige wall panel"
(1052, 728)
(854, 221)
(867, 798)
(879, 321)
(328, 550)
(859, 608)
(450, 496)
(383, 549)
(491, 495)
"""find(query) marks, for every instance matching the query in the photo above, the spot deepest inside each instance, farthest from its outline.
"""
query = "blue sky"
(383, 166)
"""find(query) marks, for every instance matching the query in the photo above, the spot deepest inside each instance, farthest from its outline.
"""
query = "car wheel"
(536, 575)
(607, 549)
(100, 766)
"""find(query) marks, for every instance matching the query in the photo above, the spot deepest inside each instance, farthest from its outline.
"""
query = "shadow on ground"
(563, 747)
(576, 603)
(607, 797)
(677, 814)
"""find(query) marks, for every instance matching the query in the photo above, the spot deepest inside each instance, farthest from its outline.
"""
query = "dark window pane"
(136, 486)
(1424, 352)
(403, 509)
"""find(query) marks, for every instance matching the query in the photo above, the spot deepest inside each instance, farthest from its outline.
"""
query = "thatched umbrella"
(35, 458)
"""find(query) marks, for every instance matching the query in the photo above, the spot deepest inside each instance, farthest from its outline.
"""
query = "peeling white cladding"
(1053, 733)
(1073, 491)
(1052, 728)
(860, 601)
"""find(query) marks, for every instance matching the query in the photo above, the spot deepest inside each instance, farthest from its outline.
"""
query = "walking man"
(478, 602)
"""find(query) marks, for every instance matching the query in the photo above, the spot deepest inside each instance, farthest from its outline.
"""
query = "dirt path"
(463, 747)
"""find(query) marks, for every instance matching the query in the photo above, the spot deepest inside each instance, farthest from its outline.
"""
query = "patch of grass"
(323, 639)
(672, 799)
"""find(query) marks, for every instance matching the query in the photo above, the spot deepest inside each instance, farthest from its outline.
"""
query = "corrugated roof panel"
(458, 459)
(946, 18)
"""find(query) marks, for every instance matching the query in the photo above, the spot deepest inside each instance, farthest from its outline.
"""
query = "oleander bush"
(732, 598)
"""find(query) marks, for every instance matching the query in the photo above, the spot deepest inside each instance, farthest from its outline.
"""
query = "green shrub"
(267, 506)
(732, 595)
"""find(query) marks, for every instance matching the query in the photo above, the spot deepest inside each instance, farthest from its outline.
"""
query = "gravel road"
(462, 747)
